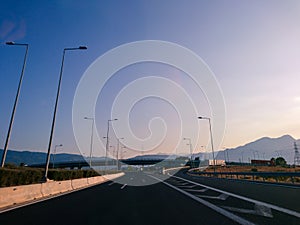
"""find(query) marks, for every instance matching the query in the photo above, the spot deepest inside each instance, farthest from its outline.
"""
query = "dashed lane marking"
(191, 186)
(196, 190)
(220, 197)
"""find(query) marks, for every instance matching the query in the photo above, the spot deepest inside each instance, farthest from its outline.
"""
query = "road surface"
(180, 199)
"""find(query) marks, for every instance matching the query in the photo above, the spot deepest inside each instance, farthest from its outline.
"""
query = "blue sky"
(252, 47)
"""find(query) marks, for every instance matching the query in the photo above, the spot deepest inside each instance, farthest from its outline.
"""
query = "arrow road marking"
(268, 205)
(258, 210)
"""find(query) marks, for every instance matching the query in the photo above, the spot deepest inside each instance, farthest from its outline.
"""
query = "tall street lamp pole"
(54, 153)
(15, 103)
(211, 139)
(92, 134)
(191, 149)
(107, 140)
(113, 152)
(55, 109)
(118, 149)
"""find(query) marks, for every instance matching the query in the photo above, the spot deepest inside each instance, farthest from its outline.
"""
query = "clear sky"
(252, 47)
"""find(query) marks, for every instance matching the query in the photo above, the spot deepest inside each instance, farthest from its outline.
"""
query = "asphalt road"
(172, 201)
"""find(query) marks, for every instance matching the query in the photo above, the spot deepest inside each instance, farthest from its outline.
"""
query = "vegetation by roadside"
(17, 175)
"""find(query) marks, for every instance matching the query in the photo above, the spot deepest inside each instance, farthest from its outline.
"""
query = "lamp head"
(10, 43)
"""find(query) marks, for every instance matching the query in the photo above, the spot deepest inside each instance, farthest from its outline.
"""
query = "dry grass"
(250, 169)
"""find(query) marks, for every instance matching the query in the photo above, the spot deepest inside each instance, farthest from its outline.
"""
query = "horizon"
(162, 153)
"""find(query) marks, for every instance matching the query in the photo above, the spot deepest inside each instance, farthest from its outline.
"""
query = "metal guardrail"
(288, 177)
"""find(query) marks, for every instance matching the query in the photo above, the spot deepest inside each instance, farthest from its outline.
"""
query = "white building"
(218, 162)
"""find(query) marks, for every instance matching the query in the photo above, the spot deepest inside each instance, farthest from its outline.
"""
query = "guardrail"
(284, 177)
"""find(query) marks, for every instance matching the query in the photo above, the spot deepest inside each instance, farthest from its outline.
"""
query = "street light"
(107, 140)
(54, 153)
(190, 144)
(55, 108)
(15, 103)
(113, 153)
(211, 139)
(92, 134)
(121, 157)
(118, 149)
(114, 149)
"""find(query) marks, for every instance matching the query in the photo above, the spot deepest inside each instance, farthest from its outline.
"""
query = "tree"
(280, 161)
(273, 161)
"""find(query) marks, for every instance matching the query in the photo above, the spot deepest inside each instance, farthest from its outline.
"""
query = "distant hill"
(263, 148)
(28, 157)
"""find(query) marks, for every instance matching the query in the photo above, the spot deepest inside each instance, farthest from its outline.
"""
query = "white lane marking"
(229, 215)
(275, 207)
(222, 197)
(123, 186)
(197, 190)
(179, 182)
(258, 210)
(182, 183)
(191, 186)
(111, 183)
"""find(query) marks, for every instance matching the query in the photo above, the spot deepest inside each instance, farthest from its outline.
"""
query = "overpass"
(83, 163)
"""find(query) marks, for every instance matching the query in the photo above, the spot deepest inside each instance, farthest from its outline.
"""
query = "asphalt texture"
(160, 203)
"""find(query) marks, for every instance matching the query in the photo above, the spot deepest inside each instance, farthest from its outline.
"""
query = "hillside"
(28, 157)
(263, 148)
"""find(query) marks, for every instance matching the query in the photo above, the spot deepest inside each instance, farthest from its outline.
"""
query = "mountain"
(28, 157)
(263, 148)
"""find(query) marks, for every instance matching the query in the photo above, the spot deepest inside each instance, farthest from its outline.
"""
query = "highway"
(179, 199)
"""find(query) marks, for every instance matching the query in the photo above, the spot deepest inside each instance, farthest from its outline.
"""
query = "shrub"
(254, 170)
(13, 175)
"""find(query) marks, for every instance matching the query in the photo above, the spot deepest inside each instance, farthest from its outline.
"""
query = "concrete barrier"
(18, 194)
(95, 180)
(79, 183)
(10, 196)
(56, 187)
